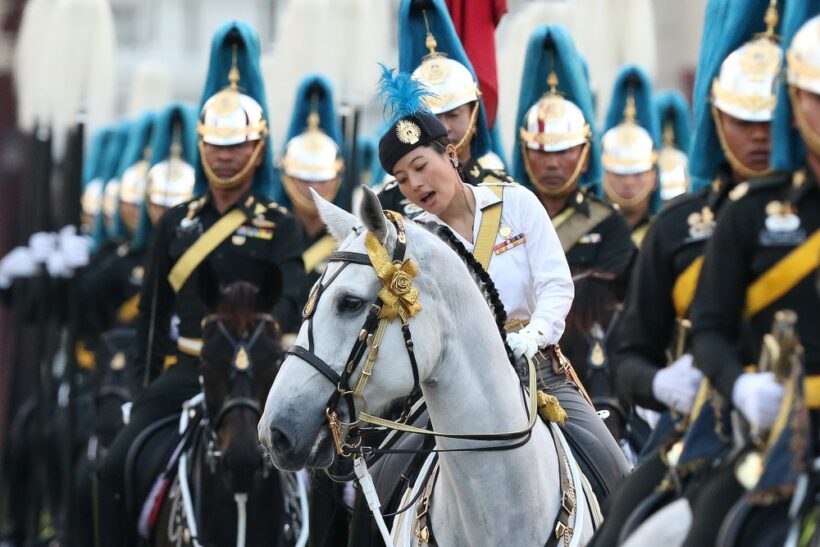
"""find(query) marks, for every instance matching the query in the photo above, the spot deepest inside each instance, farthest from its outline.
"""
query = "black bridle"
(365, 340)
(241, 365)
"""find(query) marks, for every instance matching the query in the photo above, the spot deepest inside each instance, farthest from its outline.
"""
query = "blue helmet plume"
(402, 95)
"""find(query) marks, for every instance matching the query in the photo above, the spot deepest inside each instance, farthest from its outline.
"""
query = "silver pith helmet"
(171, 182)
(627, 148)
(230, 117)
(554, 124)
(111, 198)
(746, 87)
(91, 200)
(312, 156)
(803, 58)
(673, 172)
(451, 83)
(132, 183)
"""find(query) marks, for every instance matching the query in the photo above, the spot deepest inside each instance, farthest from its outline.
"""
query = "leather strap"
(487, 232)
(784, 275)
(562, 530)
(316, 253)
(683, 291)
(576, 225)
(203, 246)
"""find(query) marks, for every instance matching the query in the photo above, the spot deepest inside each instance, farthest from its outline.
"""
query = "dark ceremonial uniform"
(662, 287)
(774, 222)
(109, 292)
(640, 229)
(594, 235)
(762, 258)
(472, 172)
(595, 238)
(268, 237)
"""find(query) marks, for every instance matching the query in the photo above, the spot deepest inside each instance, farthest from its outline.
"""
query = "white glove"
(57, 267)
(758, 396)
(521, 344)
(42, 244)
(76, 249)
(677, 385)
(18, 263)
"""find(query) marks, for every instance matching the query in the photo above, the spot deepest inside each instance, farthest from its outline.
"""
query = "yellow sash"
(639, 233)
(811, 391)
(203, 246)
(684, 289)
(784, 275)
(316, 253)
(570, 227)
(85, 358)
(487, 232)
(129, 309)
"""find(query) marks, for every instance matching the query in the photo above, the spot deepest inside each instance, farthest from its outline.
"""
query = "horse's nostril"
(280, 442)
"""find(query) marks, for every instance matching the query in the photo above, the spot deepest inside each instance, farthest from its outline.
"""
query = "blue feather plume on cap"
(402, 95)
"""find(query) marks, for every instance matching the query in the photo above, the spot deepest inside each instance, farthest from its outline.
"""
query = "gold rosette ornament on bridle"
(400, 297)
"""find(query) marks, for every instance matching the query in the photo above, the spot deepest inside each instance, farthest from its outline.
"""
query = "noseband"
(369, 338)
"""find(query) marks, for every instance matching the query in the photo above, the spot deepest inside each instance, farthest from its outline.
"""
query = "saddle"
(147, 458)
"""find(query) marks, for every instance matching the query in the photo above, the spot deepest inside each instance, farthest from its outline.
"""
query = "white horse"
(507, 497)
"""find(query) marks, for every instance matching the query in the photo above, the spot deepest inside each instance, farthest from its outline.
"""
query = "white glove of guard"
(758, 396)
(18, 263)
(57, 267)
(42, 244)
(527, 341)
(677, 385)
(76, 249)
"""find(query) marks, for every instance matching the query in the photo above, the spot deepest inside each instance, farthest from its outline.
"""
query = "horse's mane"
(480, 276)
(237, 306)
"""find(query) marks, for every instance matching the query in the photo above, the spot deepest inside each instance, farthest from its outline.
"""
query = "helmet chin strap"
(734, 161)
(622, 202)
(302, 204)
(234, 181)
(809, 135)
(468, 136)
(568, 187)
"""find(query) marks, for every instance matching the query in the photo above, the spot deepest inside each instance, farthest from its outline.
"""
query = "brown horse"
(240, 357)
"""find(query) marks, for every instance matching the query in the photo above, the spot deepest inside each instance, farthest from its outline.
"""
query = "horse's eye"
(349, 304)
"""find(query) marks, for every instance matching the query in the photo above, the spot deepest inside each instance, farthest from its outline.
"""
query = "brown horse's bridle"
(241, 363)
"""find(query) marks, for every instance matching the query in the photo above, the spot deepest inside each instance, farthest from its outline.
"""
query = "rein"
(368, 342)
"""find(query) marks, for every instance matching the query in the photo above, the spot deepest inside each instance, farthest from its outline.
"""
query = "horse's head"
(240, 356)
(365, 314)
(113, 382)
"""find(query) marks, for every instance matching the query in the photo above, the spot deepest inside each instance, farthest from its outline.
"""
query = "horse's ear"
(270, 289)
(372, 214)
(208, 285)
(338, 221)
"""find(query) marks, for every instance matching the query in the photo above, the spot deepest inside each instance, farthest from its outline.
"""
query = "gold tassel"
(550, 410)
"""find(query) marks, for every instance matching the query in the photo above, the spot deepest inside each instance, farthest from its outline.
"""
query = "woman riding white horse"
(485, 497)
(509, 232)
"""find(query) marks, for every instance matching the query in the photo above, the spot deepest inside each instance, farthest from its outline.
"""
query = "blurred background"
(161, 54)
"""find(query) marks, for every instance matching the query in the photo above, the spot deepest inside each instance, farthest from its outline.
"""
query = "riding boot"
(593, 446)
